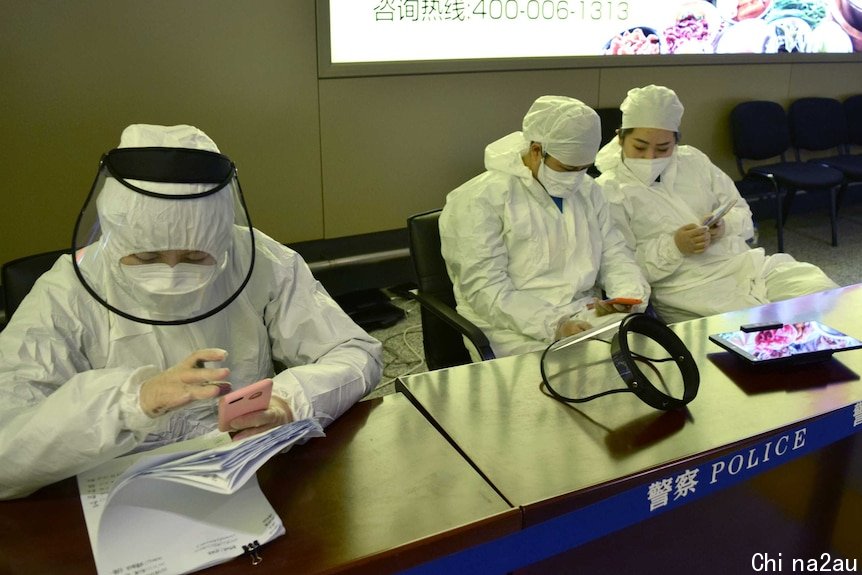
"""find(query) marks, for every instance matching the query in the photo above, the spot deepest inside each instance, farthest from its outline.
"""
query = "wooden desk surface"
(383, 491)
(549, 457)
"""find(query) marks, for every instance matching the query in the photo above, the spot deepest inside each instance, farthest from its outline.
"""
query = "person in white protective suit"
(172, 298)
(530, 242)
(663, 193)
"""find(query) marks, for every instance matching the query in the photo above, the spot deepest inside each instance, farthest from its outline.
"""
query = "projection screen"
(368, 37)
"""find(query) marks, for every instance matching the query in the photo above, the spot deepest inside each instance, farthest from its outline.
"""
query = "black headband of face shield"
(170, 165)
(635, 379)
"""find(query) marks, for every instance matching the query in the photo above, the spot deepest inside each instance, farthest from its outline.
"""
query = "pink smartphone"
(251, 398)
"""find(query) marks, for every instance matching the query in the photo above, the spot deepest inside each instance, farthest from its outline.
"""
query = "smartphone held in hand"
(719, 213)
(254, 397)
(617, 301)
(623, 300)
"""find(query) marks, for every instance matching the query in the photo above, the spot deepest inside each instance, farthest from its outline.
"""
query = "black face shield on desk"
(632, 337)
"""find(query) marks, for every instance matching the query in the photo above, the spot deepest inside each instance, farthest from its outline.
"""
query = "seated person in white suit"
(662, 193)
(172, 300)
(530, 244)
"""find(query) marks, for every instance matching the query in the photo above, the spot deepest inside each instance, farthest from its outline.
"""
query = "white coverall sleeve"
(657, 256)
(473, 245)
(331, 362)
(619, 273)
(58, 416)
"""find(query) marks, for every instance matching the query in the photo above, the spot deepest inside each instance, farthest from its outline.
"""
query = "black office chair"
(853, 113)
(612, 119)
(19, 275)
(443, 329)
(820, 125)
(761, 132)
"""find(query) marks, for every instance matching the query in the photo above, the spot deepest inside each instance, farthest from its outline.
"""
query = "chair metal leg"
(779, 220)
(833, 215)
(790, 195)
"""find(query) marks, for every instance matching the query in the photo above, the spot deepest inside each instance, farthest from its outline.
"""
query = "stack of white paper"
(184, 506)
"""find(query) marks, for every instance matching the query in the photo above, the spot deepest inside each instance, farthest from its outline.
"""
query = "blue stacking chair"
(820, 125)
(853, 114)
(761, 133)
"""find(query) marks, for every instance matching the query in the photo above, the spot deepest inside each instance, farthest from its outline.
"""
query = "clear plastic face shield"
(164, 237)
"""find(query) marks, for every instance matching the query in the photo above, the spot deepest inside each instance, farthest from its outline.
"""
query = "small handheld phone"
(617, 300)
(251, 398)
(623, 300)
(765, 326)
(720, 213)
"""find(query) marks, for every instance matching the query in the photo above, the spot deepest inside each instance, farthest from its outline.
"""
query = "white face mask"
(162, 279)
(647, 170)
(560, 184)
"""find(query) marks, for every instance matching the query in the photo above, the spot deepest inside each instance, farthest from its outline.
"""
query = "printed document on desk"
(184, 506)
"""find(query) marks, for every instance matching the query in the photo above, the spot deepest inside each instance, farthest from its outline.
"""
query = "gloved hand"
(184, 383)
(567, 327)
(716, 230)
(278, 413)
(692, 239)
(603, 308)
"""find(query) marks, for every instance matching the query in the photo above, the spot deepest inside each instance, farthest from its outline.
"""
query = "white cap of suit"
(568, 129)
(133, 222)
(652, 107)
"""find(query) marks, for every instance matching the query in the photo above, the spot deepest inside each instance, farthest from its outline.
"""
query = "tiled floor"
(402, 347)
(806, 237)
